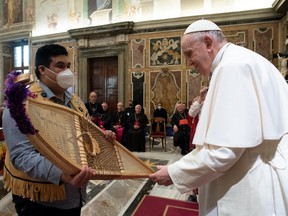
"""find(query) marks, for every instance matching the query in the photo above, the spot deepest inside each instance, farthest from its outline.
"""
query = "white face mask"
(65, 79)
(159, 107)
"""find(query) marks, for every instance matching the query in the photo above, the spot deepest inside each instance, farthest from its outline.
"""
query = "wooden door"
(103, 76)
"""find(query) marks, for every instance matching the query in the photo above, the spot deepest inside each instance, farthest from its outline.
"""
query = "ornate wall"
(164, 75)
(151, 65)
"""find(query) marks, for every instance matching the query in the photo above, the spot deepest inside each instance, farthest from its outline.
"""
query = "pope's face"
(197, 54)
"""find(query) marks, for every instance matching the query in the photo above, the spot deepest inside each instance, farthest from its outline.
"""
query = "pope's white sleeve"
(202, 165)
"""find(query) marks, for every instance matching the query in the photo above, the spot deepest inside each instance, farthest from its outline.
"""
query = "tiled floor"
(118, 197)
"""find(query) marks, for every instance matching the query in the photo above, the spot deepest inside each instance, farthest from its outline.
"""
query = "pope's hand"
(161, 176)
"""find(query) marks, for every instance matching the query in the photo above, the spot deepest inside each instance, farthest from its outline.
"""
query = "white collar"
(218, 57)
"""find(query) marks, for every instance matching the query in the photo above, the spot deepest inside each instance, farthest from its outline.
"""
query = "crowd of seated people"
(129, 124)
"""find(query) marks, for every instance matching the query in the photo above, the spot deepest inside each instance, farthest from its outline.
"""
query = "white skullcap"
(202, 25)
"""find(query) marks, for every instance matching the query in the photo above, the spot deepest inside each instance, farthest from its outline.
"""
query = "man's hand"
(203, 92)
(81, 179)
(110, 135)
(175, 128)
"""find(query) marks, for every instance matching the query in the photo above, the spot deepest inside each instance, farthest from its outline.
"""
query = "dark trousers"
(182, 138)
(25, 207)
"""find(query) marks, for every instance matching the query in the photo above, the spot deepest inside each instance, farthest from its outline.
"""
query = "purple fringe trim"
(16, 94)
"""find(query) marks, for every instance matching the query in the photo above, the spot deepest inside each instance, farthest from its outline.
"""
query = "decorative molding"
(102, 31)
(137, 75)
(138, 53)
(229, 18)
(280, 6)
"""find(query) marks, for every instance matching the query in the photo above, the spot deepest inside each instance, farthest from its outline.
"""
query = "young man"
(45, 189)
(242, 142)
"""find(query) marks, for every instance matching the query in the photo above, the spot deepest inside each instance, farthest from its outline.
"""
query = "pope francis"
(240, 164)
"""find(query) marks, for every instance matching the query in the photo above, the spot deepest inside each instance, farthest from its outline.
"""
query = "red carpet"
(159, 206)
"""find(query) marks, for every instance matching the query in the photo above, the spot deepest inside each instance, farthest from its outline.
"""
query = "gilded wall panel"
(194, 81)
(165, 87)
(165, 51)
(138, 53)
(263, 39)
(238, 37)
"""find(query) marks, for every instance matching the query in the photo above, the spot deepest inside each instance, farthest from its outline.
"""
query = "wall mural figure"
(103, 4)
(95, 6)
(52, 21)
(29, 12)
(13, 11)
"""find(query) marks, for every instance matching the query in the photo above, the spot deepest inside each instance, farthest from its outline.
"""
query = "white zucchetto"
(202, 25)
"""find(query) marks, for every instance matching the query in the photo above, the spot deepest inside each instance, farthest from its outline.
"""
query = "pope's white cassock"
(240, 163)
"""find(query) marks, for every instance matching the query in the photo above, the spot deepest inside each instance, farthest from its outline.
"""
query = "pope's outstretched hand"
(161, 176)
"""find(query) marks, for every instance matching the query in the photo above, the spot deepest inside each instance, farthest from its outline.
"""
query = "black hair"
(44, 54)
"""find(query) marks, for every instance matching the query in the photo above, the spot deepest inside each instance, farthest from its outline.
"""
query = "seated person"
(135, 137)
(130, 109)
(119, 120)
(181, 129)
(127, 111)
(160, 112)
(95, 109)
(184, 105)
(106, 119)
